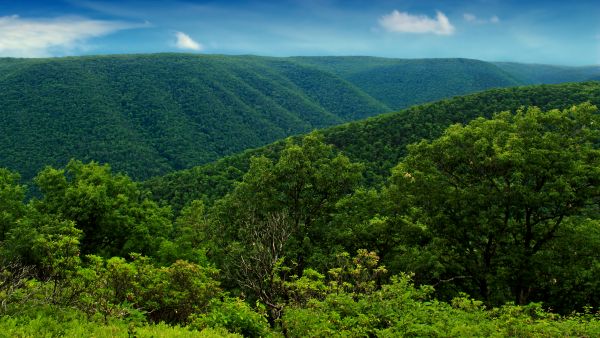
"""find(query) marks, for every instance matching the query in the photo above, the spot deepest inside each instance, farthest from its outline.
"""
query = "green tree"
(277, 215)
(12, 195)
(115, 217)
(496, 192)
(190, 237)
(304, 183)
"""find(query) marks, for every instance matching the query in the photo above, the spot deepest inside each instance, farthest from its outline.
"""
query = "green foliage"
(497, 191)
(115, 217)
(49, 244)
(379, 142)
(234, 315)
(12, 195)
(503, 208)
(568, 267)
(48, 322)
(400, 83)
(304, 183)
(116, 288)
(536, 74)
(151, 114)
(148, 115)
(400, 309)
(190, 238)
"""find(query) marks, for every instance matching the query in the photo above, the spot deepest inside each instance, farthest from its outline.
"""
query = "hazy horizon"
(548, 32)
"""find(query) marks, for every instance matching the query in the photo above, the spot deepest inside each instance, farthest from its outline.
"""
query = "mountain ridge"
(378, 142)
(150, 114)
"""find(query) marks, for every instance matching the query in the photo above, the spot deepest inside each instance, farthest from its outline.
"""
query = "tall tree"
(11, 201)
(305, 183)
(114, 215)
(497, 191)
(275, 216)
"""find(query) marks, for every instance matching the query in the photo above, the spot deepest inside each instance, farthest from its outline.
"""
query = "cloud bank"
(403, 22)
(184, 41)
(20, 37)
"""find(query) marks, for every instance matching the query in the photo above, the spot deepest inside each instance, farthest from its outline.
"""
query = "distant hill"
(151, 114)
(400, 83)
(548, 74)
(378, 142)
(148, 115)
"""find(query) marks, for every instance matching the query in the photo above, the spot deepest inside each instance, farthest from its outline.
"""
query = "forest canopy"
(489, 228)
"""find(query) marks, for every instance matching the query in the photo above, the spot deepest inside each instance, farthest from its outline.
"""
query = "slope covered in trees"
(548, 74)
(378, 142)
(400, 83)
(151, 114)
(472, 234)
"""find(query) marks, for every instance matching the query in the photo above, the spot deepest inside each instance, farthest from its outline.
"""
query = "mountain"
(400, 83)
(378, 142)
(151, 114)
(548, 74)
(148, 115)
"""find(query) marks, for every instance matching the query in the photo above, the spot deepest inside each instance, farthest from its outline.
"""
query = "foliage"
(12, 195)
(497, 191)
(400, 83)
(400, 309)
(115, 217)
(48, 322)
(234, 315)
(278, 213)
(536, 73)
(115, 289)
(503, 209)
(379, 142)
(150, 114)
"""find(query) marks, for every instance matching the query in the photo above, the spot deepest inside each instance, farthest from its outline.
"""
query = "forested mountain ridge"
(148, 115)
(401, 83)
(548, 74)
(378, 142)
(472, 234)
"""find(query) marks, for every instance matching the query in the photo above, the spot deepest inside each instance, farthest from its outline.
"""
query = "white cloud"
(185, 42)
(472, 18)
(22, 37)
(469, 17)
(403, 22)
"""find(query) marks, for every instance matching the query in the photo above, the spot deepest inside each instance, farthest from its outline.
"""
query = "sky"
(548, 32)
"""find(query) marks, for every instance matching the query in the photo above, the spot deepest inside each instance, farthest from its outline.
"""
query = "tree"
(497, 191)
(257, 264)
(304, 183)
(274, 219)
(11, 201)
(114, 215)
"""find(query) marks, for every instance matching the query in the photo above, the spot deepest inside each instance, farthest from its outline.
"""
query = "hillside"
(150, 114)
(378, 142)
(548, 74)
(400, 83)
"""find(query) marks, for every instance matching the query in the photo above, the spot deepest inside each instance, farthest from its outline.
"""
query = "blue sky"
(552, 32)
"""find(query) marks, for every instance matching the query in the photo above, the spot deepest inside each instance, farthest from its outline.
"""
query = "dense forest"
(537, 73)
(148, 115)
(471, 216)
(379, 143)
